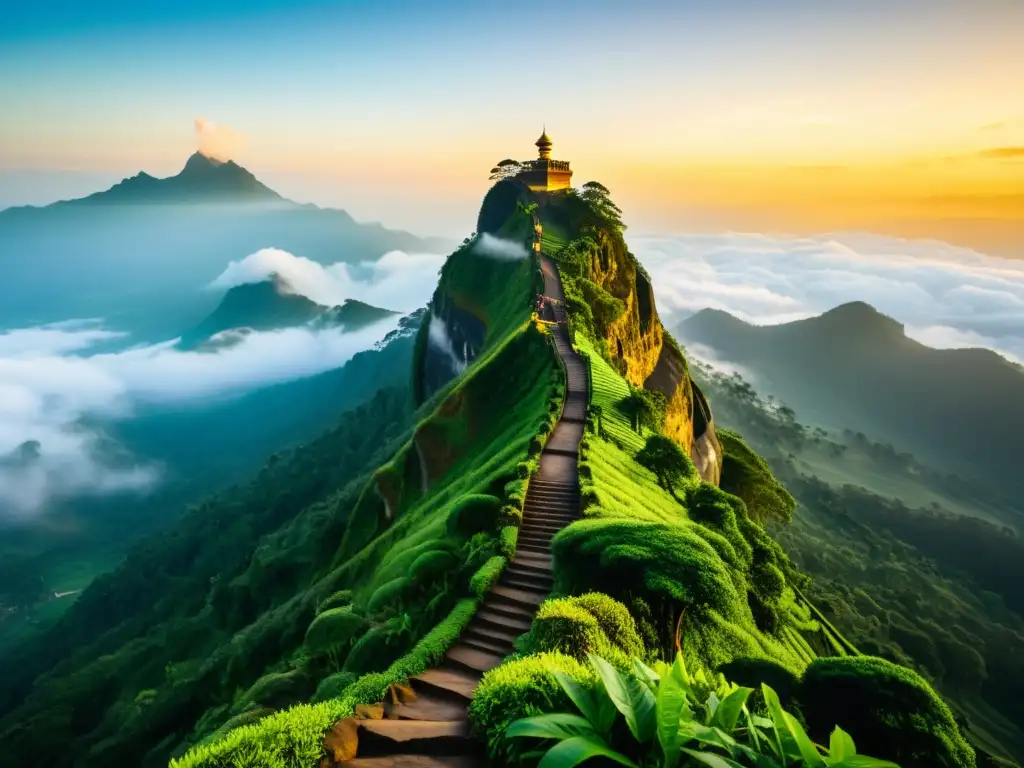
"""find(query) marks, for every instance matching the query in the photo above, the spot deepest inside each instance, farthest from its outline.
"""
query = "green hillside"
(285, 623)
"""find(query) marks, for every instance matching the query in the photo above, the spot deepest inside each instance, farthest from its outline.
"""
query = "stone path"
(427, 726)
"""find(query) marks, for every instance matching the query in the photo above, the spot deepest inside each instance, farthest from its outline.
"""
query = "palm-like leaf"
(574, 751)
(630, 696)
(553, 726)
(596, 707)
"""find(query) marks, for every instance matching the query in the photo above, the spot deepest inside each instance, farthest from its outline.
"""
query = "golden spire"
(544, 145)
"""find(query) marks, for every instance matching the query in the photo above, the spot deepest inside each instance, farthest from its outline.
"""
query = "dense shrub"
(721, 512)
(890, 711)
(331, 687)
(518, 688)
(751, 672)
(665, 458)
(376, 649)
(279, 689)
(339, 599)
(625, 557)
(388, 595)
(563, 626)
(507, 538)
(615, 621)
(487, 575)
(748, 476)
(474, 513)
(333, 628)
(430, 565)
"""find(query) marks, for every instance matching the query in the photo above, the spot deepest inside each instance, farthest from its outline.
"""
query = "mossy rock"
(474, 513)
(334, 628)
(891, 712)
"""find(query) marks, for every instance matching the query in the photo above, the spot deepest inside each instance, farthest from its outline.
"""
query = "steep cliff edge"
(582, 231)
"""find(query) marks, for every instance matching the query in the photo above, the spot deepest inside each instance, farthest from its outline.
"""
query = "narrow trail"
(432, 729)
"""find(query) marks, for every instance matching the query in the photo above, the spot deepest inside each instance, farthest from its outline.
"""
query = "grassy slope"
(473, 434)
(627, 490)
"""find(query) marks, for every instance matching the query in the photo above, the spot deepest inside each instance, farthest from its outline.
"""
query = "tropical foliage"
(672, 718)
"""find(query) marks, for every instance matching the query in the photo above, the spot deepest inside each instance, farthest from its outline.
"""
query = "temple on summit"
(545, 174)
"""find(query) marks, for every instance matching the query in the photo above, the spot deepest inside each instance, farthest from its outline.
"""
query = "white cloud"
(398, 281)
(51, 379)
(946, 296)
(497, 248)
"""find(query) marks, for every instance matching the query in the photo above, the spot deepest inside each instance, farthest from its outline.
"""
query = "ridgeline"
(405, 589)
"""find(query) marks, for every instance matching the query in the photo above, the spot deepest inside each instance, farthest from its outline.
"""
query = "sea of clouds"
(946, 296)
(53, 382)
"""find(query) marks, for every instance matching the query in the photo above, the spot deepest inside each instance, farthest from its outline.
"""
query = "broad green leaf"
(574, 751)
(630, 696)
(671, 702)
(809, 752)
(728, 712)
(713, 702)
(596, 707)
(553, 726)
(645, 673)
(716, 737)
(840, 744)
(783, 738)
(711, 759)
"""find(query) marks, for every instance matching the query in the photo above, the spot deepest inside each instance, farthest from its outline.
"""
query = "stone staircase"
(427, 726)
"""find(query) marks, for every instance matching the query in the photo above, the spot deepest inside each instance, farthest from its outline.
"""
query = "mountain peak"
(199, 163)
(861, 317)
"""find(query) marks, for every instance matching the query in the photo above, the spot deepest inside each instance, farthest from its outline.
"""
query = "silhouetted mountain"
(854, 367)
(270, 305)
(203, 179)
(136, 253)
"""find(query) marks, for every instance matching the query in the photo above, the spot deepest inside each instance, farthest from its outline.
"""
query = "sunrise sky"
(904, 116)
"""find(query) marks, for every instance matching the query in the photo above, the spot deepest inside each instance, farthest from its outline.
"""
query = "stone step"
(549, 518)
(520, 566)
(471, 659)
(427, 707)
(494, 620)
(539, 482)
(500, 648)
(454, 683)
(519, 582)
(529, 548)
(423, 737)
(527, 598)
(415, 761)
(488, 631)
(541, 526)
(509, 610)
(552, 499)
(535, 559)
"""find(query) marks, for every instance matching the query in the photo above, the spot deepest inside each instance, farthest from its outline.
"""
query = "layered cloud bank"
(398, 281)
(946, 296)
(53, 382)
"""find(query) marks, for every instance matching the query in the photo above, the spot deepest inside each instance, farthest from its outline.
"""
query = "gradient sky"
(743, 114)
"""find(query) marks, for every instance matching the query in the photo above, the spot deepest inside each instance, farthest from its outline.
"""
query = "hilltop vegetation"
(908, 563)
(244, 635)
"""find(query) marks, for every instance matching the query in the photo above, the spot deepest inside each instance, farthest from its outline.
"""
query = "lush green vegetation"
(930, 587)
(672, 718)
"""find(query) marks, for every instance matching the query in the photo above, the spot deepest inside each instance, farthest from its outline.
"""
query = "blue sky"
(340, 102)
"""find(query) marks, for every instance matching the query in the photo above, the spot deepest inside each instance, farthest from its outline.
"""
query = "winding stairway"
(427, 726)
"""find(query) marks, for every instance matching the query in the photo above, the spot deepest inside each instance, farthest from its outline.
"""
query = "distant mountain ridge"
(271, 305)
(854, 367)
(138, 251)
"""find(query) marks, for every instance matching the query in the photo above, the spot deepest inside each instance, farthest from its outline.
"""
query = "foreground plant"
(675, 719)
